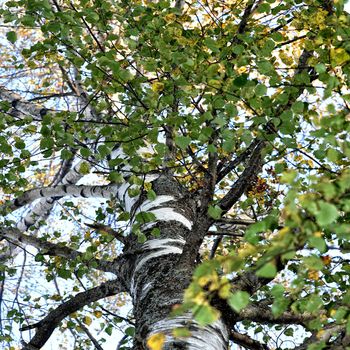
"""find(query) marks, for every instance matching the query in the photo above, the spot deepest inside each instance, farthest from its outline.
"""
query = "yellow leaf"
(157, 86)
(156, 341)
(224, 291)
(79, 329)
(310, 163)
(214, 83)
(313, 275)
(326, 259)
(147, 186)
(98, 314)
(320, 333)
(87, 320)
(170, 17)
(242, 69)
(283, 231)
(339, 56)
(84, 168)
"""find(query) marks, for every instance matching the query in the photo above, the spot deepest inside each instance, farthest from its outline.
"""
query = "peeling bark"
(158, 279)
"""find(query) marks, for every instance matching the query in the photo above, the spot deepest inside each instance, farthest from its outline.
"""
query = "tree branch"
(253, 167)
(14, 236)
(224, 233)
(245, 220)
(238, 160)
(90, 336)
(246, 341)
(46, 326)
(109, 230)
(62, 191)
(325, 335)
(246, 14)
(19, 105)
(263, 314)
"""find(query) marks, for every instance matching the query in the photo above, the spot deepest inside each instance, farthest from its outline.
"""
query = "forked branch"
(47, 325)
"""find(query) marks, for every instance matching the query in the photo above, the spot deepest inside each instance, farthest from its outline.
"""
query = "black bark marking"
(14, 103)
(43, 112)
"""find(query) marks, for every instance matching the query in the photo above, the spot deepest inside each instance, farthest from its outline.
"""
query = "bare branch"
(264, 314)
(244, 181)
(215, 247)
(46, 326)
(226, 169)
(224, 233)
(100, 227)
(246, 341)
(90, 336)
(49, 96)
(340, 342)
(245, 220)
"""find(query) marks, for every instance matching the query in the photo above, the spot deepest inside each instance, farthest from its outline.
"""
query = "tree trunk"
(157, 276)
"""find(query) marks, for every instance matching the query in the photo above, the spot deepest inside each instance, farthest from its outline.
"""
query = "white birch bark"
(154, 275)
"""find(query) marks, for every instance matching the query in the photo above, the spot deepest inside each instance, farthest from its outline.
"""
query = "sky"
(112, 342)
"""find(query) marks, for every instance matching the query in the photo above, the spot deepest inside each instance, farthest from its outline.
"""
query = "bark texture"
(159, 278)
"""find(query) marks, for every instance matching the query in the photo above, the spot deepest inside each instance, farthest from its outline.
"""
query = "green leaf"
(116, 177)
(205, 314)
(155, 232)
(84, 168)
(348, 326)
(313, 262)
(289, 176)
(327, 214)
(65, 154)
(238, 49)
(260, 90)
(11, 37)
(63, 273)
(124, 216)
(181, 332)
(238, 300)
(151, 195)
(320, 68)
(85, 152)
(211, 44)
(264, 8)
(109, 329)
(214, 212)
(241, 80)
(298, 107)
(144, 217)
(268, 271)
(319, 243)
(279, 306)
(277, 291)
(182, 141)
(130, 331)
(314, 303)
(228, 145)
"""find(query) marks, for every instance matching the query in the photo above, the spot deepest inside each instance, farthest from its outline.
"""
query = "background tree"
(195, 151)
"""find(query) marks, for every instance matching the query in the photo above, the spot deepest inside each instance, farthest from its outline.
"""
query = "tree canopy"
(188, 160)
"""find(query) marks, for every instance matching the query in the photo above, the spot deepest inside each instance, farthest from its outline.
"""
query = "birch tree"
(199, 149)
